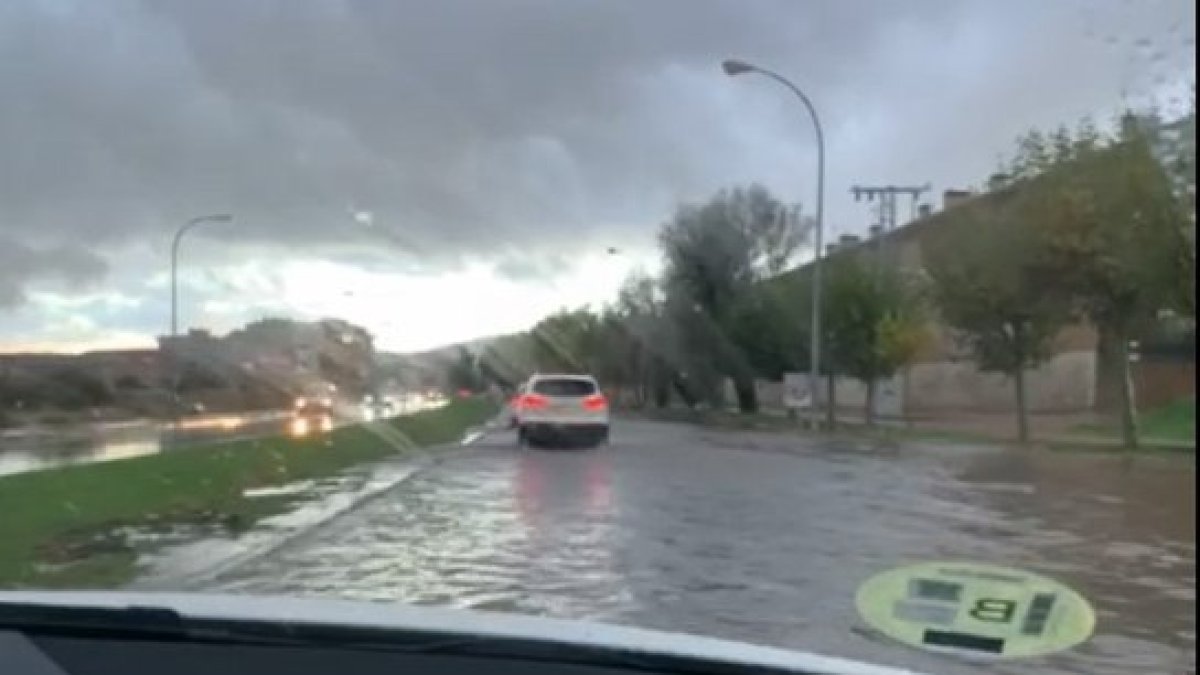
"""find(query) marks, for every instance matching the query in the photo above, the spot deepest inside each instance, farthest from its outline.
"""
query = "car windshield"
(864, 329)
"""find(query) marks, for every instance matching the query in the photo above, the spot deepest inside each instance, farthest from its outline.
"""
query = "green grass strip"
(56, 525)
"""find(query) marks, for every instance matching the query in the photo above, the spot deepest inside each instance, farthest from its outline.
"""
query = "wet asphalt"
(765, 538)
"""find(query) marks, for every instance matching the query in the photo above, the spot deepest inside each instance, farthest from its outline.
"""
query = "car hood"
(474, 624)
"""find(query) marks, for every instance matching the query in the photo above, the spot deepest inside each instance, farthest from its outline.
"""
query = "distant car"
(311, 416)
(561, 409)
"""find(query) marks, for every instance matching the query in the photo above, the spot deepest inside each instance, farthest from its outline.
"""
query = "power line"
(887, 195)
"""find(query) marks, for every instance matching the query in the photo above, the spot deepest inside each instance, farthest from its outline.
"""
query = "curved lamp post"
(733, 67)
(184, 229)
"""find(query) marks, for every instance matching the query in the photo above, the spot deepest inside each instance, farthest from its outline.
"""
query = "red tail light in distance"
(531, 402)
(595, 403)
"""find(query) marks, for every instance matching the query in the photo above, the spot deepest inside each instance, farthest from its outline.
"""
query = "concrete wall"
(851, 395)
(770, 394)
(1065, 383)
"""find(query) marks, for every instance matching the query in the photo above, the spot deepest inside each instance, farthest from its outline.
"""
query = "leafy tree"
(128, 382)
(1112, 226)
(873, 323)
(1174, 146)
(988, 286)
(715, 253)
(197, 378)
(567, 341)
(766, 323)
(463, 373)
(637, 340)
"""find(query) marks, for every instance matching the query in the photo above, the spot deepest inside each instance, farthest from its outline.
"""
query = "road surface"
(764, 538)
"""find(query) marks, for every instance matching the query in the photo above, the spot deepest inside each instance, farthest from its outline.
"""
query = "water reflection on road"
(30, 450)
(765, 539)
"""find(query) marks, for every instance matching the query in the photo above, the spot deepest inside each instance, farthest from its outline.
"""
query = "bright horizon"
(404, 313)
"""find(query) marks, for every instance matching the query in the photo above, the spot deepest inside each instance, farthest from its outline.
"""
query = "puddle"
(187, 557)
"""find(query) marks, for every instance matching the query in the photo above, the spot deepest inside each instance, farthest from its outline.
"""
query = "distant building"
(124, 368)
(285, 355)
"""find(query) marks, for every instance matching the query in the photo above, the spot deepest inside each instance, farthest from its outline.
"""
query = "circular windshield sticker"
(976, 609)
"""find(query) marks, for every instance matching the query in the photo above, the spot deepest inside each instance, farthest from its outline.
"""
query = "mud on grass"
(73, 526)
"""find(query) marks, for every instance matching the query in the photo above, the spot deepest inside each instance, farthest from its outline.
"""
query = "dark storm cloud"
(20, 264)
(471, 126)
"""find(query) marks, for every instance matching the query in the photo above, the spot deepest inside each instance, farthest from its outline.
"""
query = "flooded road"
(765, 538)
(34, 449)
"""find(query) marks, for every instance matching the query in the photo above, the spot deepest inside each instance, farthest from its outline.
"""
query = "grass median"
(58, 526)
(1172, 423)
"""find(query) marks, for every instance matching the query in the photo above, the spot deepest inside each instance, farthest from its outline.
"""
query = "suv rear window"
(564, 387)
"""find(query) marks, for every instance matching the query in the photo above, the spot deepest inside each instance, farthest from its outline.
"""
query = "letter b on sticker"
(993, 610)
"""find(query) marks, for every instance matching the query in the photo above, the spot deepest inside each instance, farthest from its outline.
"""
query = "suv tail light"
(595, 403)
(532, 402)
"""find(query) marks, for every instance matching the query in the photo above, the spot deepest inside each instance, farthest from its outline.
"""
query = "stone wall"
(1065, 383)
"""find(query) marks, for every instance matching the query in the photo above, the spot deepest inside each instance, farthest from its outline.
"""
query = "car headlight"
(299, 426)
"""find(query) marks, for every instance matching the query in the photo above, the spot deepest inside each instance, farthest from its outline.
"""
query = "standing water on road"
(765, 538)
(31, 450)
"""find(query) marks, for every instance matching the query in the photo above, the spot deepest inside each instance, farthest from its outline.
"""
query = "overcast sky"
(499, 146)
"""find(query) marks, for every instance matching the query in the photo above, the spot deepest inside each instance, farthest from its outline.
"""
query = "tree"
(567, 341)
(196, 377)
(987, 285)
(767, 326)
(1174, 146)
(129, 382)
(872, 322)
(1111, 225)
(715, 254)
(463, 373)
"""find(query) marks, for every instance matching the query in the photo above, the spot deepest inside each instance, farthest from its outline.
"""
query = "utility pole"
(887, 200)
(886, 222)
(886, 216)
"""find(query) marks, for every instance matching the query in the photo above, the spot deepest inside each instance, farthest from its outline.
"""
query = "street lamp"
(214, 218)
(733, 68)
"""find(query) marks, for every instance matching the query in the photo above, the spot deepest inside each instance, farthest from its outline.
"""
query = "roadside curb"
(892, 432)
(1071, 444)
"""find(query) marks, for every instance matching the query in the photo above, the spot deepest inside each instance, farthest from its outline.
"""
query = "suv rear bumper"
(581, 432)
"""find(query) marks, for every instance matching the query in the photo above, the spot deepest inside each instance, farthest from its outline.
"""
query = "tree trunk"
(660, 384)
(747, 397)
(869, 408)
(830, 401)
(684, 389)
(1129, 431)
(1022, 405)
